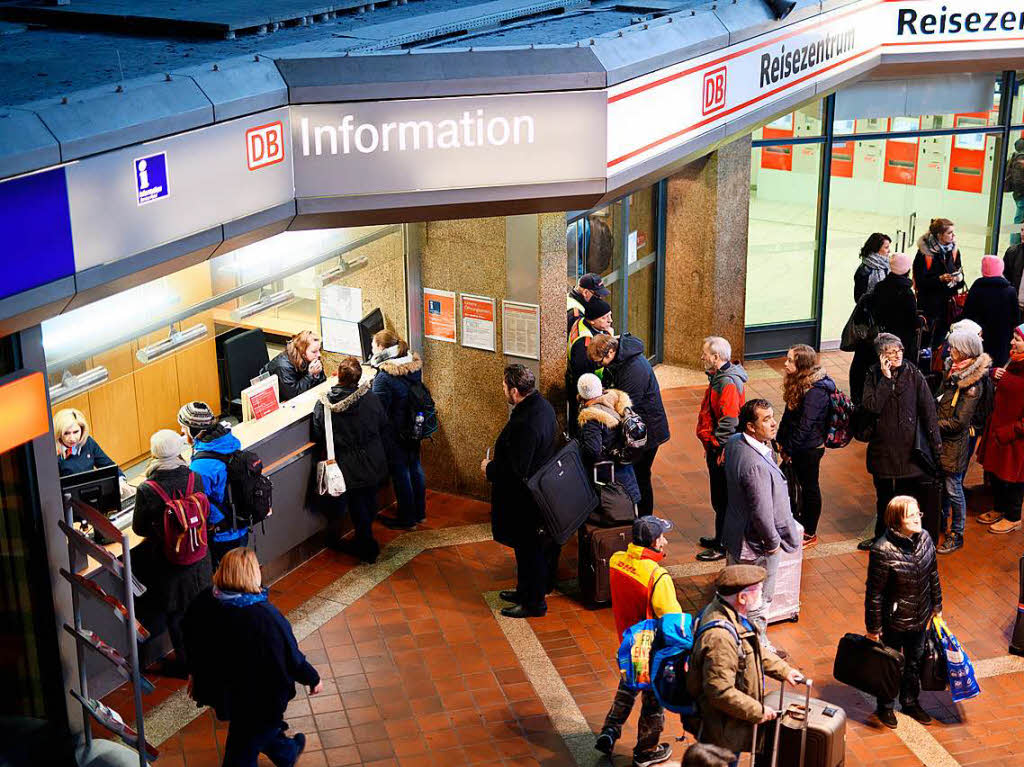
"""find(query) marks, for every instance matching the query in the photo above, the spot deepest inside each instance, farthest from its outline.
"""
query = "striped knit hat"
(196, 415)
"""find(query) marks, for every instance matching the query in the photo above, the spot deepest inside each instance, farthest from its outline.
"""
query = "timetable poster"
(520, 329)
(439, 315)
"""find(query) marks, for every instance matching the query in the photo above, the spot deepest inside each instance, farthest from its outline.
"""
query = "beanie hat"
(596, 308)
(991, 266)
(196, 415)
(166, 444)
(1019, 330)
(965, 342)
(900, 263)
(970, 325)
(589, 386)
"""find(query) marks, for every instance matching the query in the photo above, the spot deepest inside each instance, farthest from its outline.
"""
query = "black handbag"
(922, 453)
(861, 327)
(934, 674)
(615, 508)
(868, 666)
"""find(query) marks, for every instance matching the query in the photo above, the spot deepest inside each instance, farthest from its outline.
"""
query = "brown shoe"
(1004, 526)
(989, 517)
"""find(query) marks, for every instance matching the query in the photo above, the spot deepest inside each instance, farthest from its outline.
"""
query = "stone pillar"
(706, 252)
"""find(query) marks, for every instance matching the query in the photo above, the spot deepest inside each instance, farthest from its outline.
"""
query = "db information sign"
(264, 145)
(151, 178)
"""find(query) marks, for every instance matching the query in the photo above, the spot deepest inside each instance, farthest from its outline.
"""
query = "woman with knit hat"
(170, 588)
(894, 306)
(1002, 447)
(961, 390)
(992, 303)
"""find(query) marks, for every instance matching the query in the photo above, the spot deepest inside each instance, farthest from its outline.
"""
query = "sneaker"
(988, 517)
(887, 717)
(810, 540)
(866, 544)
(605, 742)
(1004, 526)
(655, 756)
(952, 543)
(710, 555)
(916, 712)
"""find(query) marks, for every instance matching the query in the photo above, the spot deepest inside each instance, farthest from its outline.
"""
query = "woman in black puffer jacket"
(903, 594)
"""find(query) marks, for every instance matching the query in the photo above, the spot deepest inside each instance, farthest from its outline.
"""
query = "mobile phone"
(488, 454)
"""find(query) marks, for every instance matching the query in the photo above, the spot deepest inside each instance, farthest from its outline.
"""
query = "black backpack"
(420, 415)
(248, 492)
(632, 437)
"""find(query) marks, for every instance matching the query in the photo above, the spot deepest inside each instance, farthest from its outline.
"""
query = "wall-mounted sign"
(151, 178)
(478, 321)
(520, 329)
(439, 315)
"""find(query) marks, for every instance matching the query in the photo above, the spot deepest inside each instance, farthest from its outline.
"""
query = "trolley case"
(563, 493)
(807, 733)
(868, 666)
(596, 546)
(786, 599)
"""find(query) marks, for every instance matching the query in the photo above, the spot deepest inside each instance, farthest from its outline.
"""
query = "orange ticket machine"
(778, 157)
(901, 153)
(967, 155)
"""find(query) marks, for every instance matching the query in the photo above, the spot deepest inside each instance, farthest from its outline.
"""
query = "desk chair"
(244, 356)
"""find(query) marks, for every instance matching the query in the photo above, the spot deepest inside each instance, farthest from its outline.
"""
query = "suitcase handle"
(802, 716)
(604, 463)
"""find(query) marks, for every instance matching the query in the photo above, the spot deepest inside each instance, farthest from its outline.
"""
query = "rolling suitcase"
(596, 546)
(786, 599)
(807, 733)
(563, 493)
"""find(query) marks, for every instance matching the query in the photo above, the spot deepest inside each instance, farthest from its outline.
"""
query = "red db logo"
(714, 91)
(264, 145)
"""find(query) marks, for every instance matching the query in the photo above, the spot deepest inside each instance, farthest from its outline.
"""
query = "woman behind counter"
(76, 450)
(298, 368)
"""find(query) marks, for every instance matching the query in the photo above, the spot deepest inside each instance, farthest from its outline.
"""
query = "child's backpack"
(248, 494)
(421, 415)
(632, 437)
(184, 523)
(840, 412)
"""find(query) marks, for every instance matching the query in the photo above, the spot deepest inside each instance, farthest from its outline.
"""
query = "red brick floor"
(418, 671)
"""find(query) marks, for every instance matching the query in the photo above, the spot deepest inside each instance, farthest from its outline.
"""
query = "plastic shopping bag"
(634, 654)
(963, 683)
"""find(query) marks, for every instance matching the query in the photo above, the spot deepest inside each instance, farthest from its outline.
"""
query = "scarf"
(384, 354)
(1019, 330)
(876, 261)
(165, 464)
(958, 367)
(238, 598)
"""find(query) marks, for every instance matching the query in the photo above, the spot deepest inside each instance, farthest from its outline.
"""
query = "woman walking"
(903, 595)
(808, 391)
(398, 369)
(957, 402)
(1002, 447)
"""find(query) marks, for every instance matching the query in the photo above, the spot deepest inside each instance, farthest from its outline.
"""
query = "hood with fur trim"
(607, 409)
(974, 372)
(340, 399)
(400, 366)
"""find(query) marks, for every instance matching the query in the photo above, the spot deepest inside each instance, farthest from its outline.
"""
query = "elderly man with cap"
(210, 440)
(728, 665)
(638, 580)
(588, 287)
(992, 303)
(597, 319)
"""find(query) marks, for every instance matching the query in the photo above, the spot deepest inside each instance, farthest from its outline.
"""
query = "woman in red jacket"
(1002, 449)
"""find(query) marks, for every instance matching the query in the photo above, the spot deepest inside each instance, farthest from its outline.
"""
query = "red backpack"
(184, 523)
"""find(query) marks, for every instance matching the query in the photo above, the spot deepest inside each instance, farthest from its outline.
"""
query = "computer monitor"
(368, 325)
(98, 488)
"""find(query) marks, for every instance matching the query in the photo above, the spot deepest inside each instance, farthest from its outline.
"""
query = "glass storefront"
(886, 174)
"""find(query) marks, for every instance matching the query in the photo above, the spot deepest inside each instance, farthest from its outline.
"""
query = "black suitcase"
(868, 666)
(563, 493)
(807, 733)
(596, 546)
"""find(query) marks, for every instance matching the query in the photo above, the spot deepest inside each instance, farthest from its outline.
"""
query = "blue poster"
(151, 178)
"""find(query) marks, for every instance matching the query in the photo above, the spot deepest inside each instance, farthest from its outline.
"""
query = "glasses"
(913, 515)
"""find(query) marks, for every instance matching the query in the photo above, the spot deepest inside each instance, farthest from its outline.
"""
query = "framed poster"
(478, 321)
(520, 329)
(439, 315)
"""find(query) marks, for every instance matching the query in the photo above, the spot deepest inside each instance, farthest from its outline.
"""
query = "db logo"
(264, 145)
(714, 91)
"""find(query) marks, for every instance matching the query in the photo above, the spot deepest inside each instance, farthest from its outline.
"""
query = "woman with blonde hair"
(298, 368)
(903, 594)
(245, 663)
(77, 450)
(808, 391)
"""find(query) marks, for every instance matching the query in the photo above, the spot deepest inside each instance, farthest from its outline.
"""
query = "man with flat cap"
(728, 665)
(588, 287)
(637, 580)
(597, 319)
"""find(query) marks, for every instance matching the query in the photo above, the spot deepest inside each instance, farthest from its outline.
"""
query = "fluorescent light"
(344, 267)
(264, 303)
(175, 340)
(71, 385)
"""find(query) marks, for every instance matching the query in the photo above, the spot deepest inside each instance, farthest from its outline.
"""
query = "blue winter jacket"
(391, 385)
(215, 476)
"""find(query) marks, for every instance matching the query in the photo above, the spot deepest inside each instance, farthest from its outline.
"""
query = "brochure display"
(123, 607)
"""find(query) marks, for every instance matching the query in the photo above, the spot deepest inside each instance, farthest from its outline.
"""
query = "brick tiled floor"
(419, 672)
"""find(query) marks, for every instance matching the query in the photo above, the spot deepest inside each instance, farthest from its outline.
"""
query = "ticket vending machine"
(967, 155)
(901, 153)
(778, 157)
(843, 152)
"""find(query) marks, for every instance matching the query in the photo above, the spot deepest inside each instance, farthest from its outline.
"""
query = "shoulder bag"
(329, 479)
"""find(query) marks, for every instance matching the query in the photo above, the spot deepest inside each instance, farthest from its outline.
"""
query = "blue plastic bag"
(963, 683)
(634, 654)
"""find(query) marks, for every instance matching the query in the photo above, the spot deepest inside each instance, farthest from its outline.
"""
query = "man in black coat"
(525, 444)
(628, 370)
(992, 303)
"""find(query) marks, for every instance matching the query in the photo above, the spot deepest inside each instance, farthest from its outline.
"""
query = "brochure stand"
(123, 608)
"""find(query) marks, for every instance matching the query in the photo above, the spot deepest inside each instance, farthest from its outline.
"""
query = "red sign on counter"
(264, 403)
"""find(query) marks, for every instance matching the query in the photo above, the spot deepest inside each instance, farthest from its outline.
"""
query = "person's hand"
(874, 637)
(946, 278)
(317, 688)
(316, 367)
(769, 714)
(998, 373)
(483, 466)
(886, 366)
(794, 677)
(720, 460)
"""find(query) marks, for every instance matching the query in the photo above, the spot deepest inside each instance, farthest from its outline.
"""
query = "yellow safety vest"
(580, 330)
(571, 304)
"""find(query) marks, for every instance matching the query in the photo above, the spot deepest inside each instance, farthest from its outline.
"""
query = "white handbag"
(329, 479)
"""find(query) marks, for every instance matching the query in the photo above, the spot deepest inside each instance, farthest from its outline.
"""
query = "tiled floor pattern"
(419, 670)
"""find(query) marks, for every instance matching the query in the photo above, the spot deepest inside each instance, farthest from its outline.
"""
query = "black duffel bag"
(868, 666)
(615, 508)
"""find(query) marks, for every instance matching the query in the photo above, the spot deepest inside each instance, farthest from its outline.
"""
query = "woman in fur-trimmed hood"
(397, 370)
(358, 424)
(600, 414)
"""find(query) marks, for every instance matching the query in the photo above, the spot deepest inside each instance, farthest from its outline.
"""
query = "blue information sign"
(151, 178)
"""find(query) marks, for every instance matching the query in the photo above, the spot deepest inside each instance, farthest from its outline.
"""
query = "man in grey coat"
(759, 522)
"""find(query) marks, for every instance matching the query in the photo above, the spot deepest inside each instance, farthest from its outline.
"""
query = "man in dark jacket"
(587, 287)
(597, 320)
(1013, 260)
(992, 303)
(524, 445)
(897, 395)
(894, 306)
(629, 371)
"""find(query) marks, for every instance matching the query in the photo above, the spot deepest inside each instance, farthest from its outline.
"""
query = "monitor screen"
(368, 325)
(98, 488)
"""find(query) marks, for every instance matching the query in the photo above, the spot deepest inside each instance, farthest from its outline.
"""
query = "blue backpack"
(646, 644)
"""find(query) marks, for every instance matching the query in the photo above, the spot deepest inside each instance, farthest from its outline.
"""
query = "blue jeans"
(410, 483)
(245, 744)
(954, 499)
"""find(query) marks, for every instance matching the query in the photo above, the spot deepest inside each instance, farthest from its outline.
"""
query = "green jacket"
(729, 690)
